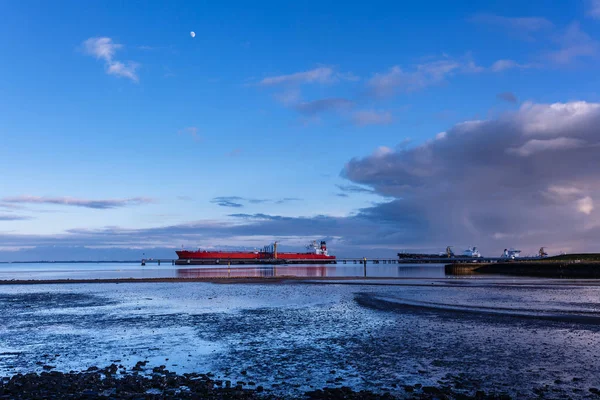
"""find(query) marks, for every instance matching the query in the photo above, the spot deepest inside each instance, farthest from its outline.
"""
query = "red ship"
(316, 254)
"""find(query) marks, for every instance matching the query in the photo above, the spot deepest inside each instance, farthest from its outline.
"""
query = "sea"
(399, 325)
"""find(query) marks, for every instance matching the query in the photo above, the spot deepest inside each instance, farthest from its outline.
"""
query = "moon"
(193, 34)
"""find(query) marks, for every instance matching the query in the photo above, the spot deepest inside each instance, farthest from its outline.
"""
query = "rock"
(431, 390)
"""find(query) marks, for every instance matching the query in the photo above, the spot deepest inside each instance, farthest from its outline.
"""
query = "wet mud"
(295, 339)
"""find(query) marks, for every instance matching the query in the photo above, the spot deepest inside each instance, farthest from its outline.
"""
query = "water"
(517, 335)
(26, 271)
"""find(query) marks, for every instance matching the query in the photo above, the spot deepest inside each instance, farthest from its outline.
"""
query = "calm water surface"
(134, 270)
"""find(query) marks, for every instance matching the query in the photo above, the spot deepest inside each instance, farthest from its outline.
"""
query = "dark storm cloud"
(507, 96)
(529, 178)
(75, 202)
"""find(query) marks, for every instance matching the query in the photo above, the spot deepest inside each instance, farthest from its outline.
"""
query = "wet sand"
(516, 337)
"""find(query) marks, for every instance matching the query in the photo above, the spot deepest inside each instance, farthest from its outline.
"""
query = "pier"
(279, 261)
(270, 261)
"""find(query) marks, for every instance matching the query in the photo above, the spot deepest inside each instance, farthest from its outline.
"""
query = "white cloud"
(371, 117)
(503, 65)
(564, 191)
(573, 45)
(585, 205)
(382, 151)
(321, 75)
(103, 48)
(552, 119)
(537, 146)
(594, 8)
(466, 188)
(125, 70)
(421, 76)
(441, 135)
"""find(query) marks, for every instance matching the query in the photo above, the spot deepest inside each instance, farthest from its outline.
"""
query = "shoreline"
(142, 382)
(226, 280)
(450, 280)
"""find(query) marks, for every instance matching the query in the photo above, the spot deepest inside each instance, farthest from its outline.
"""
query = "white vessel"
(472, 252)
(511, 253)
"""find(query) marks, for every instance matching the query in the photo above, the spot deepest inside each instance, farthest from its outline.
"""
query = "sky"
(378, 126)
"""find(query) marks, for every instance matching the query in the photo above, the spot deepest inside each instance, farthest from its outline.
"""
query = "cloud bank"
(529, 178)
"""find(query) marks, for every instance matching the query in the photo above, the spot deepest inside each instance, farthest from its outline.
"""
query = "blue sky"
(114, 118)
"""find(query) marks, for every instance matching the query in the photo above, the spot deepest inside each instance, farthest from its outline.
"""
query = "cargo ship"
(316, 254)
(472, 253)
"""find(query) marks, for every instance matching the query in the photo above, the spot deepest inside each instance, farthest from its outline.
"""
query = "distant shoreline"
(347, 280)
(278, 279)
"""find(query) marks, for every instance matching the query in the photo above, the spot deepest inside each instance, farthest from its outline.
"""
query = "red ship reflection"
(257, 272)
